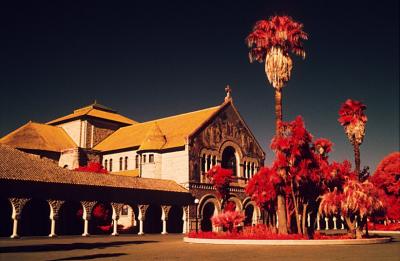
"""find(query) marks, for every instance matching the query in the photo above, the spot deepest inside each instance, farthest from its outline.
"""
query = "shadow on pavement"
(87, 257)
(63, 247)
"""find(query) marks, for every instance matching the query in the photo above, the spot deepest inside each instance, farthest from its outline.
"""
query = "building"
(143, 159)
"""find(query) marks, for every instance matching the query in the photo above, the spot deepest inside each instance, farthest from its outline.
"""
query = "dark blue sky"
(153, 59)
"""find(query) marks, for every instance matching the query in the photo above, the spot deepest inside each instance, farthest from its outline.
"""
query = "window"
(151, 158)
(203, 163)
(214, 160)
(126, 163)
(120, 163)
(105, 164)
(125, 210)
(137, 161)
(144, 158)
(110, 168)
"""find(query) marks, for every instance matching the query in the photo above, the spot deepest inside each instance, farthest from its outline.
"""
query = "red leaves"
(92, 167)
(351, 112)
(101, 212)
(220, 178)
(262, 188)
(229, 219)
(278, 31)
(387, 178)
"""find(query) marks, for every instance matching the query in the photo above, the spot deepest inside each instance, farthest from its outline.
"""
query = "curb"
(388, 232)
(366, 241)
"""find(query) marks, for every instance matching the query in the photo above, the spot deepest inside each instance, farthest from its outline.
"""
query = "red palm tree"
(271, 41)
(353, 119)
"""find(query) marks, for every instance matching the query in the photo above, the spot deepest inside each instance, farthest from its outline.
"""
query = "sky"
(151, 59)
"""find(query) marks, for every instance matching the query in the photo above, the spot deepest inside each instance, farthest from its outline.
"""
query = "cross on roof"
(228, 91)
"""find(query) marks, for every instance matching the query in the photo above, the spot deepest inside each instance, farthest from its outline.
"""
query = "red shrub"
(92, 167)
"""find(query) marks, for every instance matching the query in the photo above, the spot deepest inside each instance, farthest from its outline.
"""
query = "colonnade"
(18, 204)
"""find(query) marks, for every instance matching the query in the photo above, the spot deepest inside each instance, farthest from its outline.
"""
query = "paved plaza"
(171, 247)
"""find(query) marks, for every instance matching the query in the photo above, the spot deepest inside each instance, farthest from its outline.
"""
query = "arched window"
(120, 163)
(208, 162)
(126, 163)
(229, 159)
(203, 163)
(137, 162)
(214, 160)
(110, 168)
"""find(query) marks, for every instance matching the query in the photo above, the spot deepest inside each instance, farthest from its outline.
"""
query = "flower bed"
(261, 232)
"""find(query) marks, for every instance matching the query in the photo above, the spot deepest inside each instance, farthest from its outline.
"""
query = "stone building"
(179, 150)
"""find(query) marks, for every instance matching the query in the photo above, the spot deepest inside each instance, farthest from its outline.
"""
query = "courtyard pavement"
(171, 247)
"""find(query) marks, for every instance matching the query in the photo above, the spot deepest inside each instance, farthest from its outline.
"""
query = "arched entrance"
(127, 220)
(249, 213)
(153, 223)
(35, 218)
(175, 222)
(5, 218)
(70, 220)
(229, 159)
(208, 212)
(101, 221)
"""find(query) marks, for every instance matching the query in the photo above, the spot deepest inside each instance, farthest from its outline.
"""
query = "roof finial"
(228, 91)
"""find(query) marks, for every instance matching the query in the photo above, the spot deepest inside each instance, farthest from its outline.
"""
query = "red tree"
(356, 202)
(221, 178)
(387, 178)
(229, 219)
(92, 167)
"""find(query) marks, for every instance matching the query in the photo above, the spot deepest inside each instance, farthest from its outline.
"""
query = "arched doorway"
(229, 159)
(249, 213)
(5, 218)
(35, 218)
(101, 221)
(208, 213)
(175, 222)
(127, 220)
(70, 220)
(153, 223)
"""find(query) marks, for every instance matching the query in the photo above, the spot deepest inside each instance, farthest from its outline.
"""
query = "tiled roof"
(37, 136)
(154, 139)
(17, 165)
(95, 110)
(175, 130)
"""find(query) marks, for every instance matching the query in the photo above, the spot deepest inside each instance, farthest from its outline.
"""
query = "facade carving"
(55, 207)
(142, 211)
(88, 207)
(18, 204)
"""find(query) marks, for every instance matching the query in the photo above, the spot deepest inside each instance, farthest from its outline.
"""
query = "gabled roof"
(37, 136)
(19, 166)
(94, 110)
(175, 130)
(154, 140)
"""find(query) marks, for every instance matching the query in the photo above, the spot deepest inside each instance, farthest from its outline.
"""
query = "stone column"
(334, 223)
(318, 225)
(326, 223)
(87, 214)
(54, 208)
(17, 206)
(117, 207)
(308, 220)
(142, 217)
(342, 218)
(185, 217)
(164, 218)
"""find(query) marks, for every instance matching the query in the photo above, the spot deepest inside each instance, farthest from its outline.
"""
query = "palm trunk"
(357, 157)
(282, 226)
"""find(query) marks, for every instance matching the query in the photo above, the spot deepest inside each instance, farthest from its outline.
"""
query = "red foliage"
(100, 212)
(387, 178)
(383, 227)
(278, 31)
(229, 219)
(220, 178)
(92, 167)
(351, 112)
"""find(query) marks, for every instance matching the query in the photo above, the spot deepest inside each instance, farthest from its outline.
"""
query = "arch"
(35, 218)
(101, 219)
(153, 223)
(70, 221)
(127, 219)
(232, 144)
(5, 218)
(175, 221)
(229, 160)
(236, 200)
(209, 206)
(252, 212)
